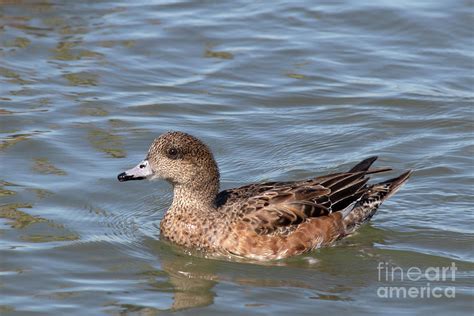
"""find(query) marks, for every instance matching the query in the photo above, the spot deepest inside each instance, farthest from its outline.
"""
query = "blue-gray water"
(279, 90)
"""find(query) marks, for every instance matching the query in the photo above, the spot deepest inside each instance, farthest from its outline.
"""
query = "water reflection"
(190, 279)
(11, 140)
(105, 140)
(33, 228)
(4, 191)
(44, 166)
(193, 279)
(19, 219)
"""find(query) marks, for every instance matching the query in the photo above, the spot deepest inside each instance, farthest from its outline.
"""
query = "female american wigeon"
(260, 221)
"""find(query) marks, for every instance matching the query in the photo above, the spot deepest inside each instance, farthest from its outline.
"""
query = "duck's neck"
(199, 194)
(193, 209)
(201, 188)
(188, 200)
(191, 214)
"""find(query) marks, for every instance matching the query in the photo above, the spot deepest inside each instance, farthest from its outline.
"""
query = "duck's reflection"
(192, 278)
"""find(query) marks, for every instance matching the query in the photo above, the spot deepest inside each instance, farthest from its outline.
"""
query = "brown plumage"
(261, 221)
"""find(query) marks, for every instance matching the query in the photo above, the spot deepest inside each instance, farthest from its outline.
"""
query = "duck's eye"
(173, 153)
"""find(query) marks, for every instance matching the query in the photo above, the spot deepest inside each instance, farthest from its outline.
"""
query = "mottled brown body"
(311, 234)
(260, 221)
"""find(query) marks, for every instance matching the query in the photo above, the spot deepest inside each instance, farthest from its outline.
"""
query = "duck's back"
(279, 219)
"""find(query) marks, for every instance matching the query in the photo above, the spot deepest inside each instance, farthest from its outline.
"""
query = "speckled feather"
(260, 221)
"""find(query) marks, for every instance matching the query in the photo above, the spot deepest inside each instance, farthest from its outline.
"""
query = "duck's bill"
(140, 172)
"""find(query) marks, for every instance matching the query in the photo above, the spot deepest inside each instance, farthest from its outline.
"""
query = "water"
(279, 91)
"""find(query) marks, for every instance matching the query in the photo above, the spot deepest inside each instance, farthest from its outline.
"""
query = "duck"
(259, 221)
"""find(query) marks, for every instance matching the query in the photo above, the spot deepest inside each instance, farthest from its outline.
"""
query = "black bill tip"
(125, 177)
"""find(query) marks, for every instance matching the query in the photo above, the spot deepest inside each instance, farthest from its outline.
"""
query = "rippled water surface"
(279, 90)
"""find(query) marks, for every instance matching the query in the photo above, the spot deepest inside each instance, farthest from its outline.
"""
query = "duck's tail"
(362, 210)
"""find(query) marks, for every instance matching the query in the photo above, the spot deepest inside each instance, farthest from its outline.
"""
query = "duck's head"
(179, 158)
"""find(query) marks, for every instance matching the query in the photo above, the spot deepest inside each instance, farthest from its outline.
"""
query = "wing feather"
(278, 207)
